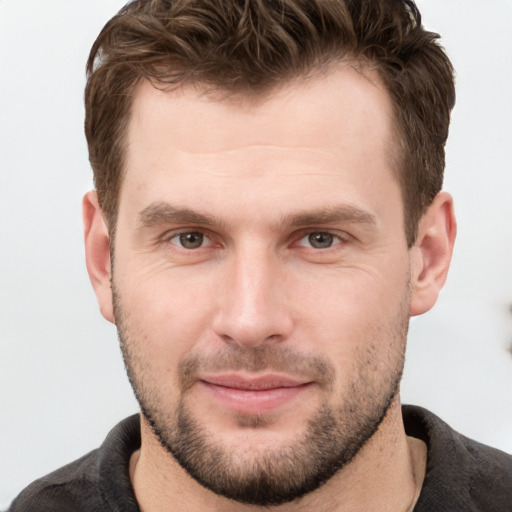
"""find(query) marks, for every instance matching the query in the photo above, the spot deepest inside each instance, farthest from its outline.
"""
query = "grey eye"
(192, 240)
(321, 240)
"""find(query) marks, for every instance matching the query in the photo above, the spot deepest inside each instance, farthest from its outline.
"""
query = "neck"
(386, 475)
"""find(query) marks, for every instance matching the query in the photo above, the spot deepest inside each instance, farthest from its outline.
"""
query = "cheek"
(359, 296)
(351, 313)
(169, 310)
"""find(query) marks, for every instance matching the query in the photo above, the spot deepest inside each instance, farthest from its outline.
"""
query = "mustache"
(264, 358)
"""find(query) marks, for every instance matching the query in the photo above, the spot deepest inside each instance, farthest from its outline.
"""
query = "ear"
(97, 253)
(432, 253)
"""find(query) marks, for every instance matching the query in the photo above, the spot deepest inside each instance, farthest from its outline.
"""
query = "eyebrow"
(328, 215)
(165, 213)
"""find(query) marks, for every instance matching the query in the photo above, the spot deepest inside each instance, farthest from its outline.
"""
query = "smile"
(254, 395)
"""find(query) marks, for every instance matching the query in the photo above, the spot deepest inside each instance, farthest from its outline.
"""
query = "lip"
(253, 394)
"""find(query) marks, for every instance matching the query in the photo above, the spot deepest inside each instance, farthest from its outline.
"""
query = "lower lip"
(253, 402)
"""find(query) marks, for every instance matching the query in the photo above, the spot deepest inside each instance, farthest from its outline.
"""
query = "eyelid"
(342, 237)
(168, 236)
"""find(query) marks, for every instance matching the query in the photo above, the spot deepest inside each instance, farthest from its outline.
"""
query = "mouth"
(253, 394)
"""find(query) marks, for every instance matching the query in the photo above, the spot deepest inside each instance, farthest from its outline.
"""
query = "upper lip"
(253, 382)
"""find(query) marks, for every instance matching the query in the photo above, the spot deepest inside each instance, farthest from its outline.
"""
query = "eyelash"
(338, 239)
(178, 235)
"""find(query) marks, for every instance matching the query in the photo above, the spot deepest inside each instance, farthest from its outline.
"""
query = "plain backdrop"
(62, 382)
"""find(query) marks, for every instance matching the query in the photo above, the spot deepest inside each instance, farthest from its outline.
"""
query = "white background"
(62, 383)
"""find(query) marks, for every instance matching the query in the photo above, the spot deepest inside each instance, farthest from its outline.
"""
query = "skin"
(264, 172)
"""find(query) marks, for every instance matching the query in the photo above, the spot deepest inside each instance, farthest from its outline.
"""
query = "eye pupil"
(191, 240)
(321, 240)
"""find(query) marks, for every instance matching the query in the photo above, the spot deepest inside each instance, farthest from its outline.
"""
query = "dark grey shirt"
(462, 475)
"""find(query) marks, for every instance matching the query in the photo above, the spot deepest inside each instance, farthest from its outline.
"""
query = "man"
(268, 214)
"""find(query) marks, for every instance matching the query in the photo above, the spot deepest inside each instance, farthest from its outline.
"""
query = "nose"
(253, 307)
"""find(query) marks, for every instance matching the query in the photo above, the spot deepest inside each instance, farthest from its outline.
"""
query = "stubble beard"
(331, 439)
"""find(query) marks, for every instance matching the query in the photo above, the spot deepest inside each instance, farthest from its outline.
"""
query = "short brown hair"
(253, 45)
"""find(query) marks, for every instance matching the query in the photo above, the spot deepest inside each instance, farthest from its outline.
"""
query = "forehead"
(315, 135)
(288, 115)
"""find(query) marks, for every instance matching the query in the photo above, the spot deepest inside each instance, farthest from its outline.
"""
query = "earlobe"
(97, 253)
(432, 253)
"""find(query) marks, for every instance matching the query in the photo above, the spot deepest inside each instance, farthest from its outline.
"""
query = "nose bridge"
(253, 308)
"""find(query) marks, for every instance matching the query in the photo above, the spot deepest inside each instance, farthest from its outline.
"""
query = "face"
(261, 279)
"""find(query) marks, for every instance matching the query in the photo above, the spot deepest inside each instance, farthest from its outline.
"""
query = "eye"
(189, 240)
(320, 240)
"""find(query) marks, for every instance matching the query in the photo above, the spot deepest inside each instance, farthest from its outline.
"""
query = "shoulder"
(489, 475)
(98, 481)
(461, 472)
(71, 487)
